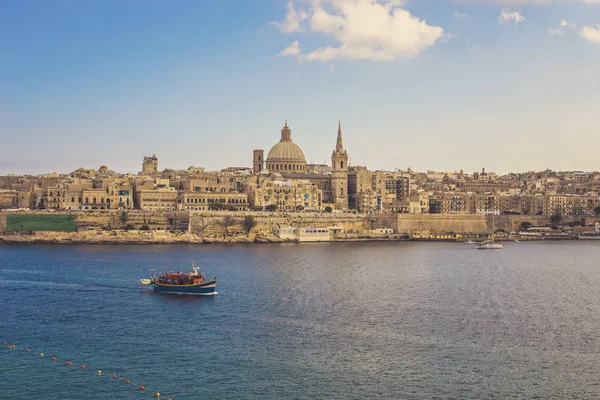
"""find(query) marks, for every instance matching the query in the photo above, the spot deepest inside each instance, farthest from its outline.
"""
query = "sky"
(428, 84)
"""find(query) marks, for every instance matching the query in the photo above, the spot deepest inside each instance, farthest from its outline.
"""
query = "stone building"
(199, 201)
(149, 165)
(286, 159)
(339, 173)
(285, 156)
(286, 194)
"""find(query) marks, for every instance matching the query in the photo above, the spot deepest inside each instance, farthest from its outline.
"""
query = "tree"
(328, 209)
(271, 207)
(256, 208)
(249, 223)
(555, 218)
(227, 222)
(597, 210)
(299, 208)
(124, 218)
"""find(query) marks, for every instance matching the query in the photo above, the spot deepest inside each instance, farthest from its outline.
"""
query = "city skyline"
(509, 86)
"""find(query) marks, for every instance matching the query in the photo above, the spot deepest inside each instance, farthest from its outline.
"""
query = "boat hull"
(205, 288)
(494, 246)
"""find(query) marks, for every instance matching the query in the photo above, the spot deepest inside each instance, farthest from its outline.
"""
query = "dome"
(286, 155)
(103, 168)
(286, 151)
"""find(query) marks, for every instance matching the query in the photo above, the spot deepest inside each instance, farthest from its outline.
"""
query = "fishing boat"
(192, 282)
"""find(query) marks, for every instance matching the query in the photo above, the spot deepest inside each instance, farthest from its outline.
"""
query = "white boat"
(470, 242)
(489, 245)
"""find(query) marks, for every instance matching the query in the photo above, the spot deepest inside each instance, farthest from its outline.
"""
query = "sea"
(372, 320)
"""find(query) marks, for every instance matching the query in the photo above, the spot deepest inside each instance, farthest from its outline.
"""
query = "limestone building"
(339, 173)
(285, 156)
(150, 165)
(286, 160)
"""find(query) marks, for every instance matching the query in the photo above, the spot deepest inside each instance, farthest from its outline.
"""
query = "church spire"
(339, 146)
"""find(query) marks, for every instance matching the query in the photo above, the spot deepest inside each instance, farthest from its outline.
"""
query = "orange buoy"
(12, 346)
(142, 387)
(69, 363)
(53, 358)
(126, 380)
(29, 351)
(114, 376)
(83, 367)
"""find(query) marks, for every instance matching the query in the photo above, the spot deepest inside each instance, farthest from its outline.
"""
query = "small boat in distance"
(489, 245)
(192, 282)
(470, 242)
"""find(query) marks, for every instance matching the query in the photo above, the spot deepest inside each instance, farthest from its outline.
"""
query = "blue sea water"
(310, 321)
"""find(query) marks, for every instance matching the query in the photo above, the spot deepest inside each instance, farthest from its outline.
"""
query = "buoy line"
(12, 347)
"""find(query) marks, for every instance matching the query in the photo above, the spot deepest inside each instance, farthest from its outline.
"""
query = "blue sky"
(430, 84)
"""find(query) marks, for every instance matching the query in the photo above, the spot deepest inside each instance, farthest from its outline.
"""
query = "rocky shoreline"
(165, 237)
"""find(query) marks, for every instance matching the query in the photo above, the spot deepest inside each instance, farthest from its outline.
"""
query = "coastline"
(167, 238)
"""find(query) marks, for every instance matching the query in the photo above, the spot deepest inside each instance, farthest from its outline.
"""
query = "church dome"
(286, 155)
(286, 151)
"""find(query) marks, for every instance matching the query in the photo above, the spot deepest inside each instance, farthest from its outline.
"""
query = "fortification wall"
(198, 222)
(438, 223)
(111, 219)
(201, 222)
(466, 223)
(2, 221)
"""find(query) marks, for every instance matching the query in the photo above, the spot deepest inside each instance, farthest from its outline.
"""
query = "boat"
(490, 244)
(470, 242)
(192, 282)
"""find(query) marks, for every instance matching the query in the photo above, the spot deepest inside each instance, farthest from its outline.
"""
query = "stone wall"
(198, 222)
(437, 223)
(111, 219)
(266, 221)
(466, 223)
(2, 221)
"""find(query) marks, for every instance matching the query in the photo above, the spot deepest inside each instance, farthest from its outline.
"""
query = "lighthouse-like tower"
(339, 173)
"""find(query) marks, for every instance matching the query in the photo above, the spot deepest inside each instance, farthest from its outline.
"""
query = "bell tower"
(339, 173)
(258, 160)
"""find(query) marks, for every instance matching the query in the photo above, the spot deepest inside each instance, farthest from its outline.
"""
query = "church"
(286, 159)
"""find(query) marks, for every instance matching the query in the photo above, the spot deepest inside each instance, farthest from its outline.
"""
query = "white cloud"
(363, 29)
(292, 50)
(591, 33)
(566, 24)
(506, 16)
(292, 20)
(560, 31)
(556, 32)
